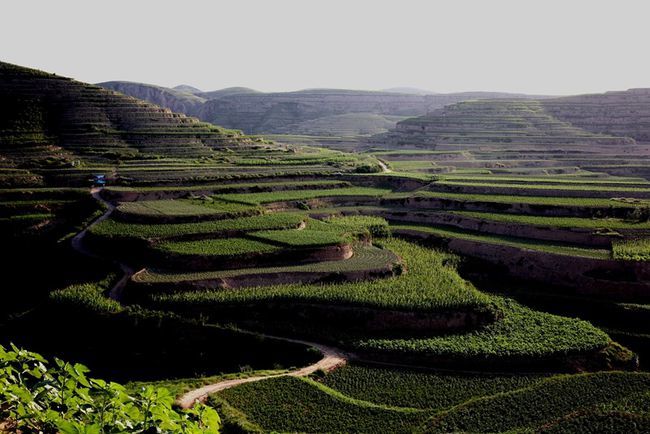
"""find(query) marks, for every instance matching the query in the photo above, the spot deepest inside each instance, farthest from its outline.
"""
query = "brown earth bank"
(596, 192)
(323, 202)
(165, 218)
(583, 236)
(616, 280)
(177, 193)
(394, 182)
(179, 261)
(508, 208)
(265, 279)
(344, 317)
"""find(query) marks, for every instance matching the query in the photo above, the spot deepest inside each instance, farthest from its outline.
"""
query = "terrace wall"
(619, 280)
(424, 202)
(584, 236)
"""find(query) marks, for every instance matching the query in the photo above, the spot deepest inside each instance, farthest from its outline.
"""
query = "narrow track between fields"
(77, 243)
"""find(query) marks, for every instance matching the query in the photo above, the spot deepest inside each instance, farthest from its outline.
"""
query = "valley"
(462, 263)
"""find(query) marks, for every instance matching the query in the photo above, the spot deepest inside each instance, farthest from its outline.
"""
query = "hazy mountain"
(284, 112)
(187, 89)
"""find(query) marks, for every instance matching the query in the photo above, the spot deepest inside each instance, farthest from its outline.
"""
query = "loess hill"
(311, 111)
(223, 239)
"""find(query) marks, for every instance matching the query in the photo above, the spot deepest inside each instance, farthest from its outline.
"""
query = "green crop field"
(421, 389)
(307, 408)
(117, 229)
(509, 292)
(533, 200)
(540, 186)
(559, 222)
(300, 238)
(447, 232)
(430, 285)
(636, 249)
(262, 198)
(183, 207)
(509, 404)
(542, 403)
(521, 333)
(364, 258)
(218, 247)
(225, 188)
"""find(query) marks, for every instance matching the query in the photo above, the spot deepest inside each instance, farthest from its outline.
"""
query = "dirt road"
(77, 243)
(332, 358)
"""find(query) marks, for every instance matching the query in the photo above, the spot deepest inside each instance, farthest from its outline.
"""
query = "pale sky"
(542, 47)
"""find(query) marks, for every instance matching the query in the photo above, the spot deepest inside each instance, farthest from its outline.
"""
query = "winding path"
(384, 167)
(332, 357)
(77, 243)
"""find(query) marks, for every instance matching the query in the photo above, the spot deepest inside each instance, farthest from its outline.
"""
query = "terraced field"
(206, 239)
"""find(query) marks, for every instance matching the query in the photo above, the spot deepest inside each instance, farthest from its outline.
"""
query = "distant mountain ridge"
(257, 112)
(614, 117)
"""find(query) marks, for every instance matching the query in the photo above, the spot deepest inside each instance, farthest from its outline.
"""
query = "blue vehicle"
(99, 180)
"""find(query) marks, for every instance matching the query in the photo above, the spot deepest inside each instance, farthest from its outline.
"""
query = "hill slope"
(280, 112)
(51, 121)
(624, 113)
(173, 99)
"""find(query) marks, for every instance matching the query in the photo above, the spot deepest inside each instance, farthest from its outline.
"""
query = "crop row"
(225, 247)
(635, 249)
(306, 408)
(431, 284)
(559, 222)
(614, 191)
(447, 232)
(420, 389)
(542, 403)
(364, 258)
(508, 405)
(300, 238)
(116, 229)
(183, 207)
(533, 200)
(261, 198)
(532, 180)
(224, 188)
(520, 334)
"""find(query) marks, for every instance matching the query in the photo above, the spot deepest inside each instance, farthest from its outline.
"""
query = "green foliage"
(61, 398)
(307, 408)
(532, 200)
(559, 222)
(539, 404)
(420, 389)
(113, 228)
(86, 296)
(185, 207)
(364, 258)
(539, 186)
(431, 284)
(285, 196)
(521, 243)
(218, 247)
(521, 334)
(231, 188)
(375, 226)
(634, 249)
(301, 238)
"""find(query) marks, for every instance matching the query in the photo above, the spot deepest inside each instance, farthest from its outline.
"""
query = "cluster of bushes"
(39, 397)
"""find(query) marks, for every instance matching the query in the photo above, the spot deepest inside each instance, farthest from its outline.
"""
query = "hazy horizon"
(550, 48)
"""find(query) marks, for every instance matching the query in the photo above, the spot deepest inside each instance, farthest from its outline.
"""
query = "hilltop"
(50, 123)
(307, 111)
